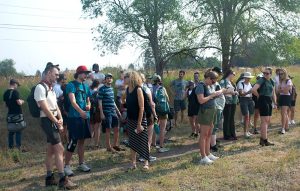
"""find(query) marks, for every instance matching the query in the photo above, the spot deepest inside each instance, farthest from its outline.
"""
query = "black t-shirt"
(10, 98)
(132, 104)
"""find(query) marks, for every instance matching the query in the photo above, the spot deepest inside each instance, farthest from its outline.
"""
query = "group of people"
(87, 105)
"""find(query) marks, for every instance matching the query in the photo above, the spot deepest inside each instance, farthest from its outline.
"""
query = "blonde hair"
(134, 80)
(285, 75)
(143, 77)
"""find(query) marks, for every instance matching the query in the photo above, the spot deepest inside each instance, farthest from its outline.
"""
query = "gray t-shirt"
(179, 88)
(208, 90)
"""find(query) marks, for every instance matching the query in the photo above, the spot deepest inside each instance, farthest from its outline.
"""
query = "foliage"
(7, 68)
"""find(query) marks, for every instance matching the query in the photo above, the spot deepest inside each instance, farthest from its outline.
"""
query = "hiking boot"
(66, 184)
(192, 135)
(84, 168)
(205, 161)
(212, 157)
(68, 171)
(214, 148)
(50, 181)
(195, 135)
(265, 142)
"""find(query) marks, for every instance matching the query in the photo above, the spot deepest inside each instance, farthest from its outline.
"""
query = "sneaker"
(255, 131)
(68, 171)
(50, 181)
(163, 149)
(66, 184)
(205, 161)
(195, 135)
(247, 136)
(290, 123)
(192, 135)
(84, 168)
(293, 122)
(212, 157)
(141, 159)
(250, 134)
(152, 158)
(282, 131)
(117, 148)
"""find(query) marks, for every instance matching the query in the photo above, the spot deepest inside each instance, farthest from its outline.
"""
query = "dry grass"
(243, 164)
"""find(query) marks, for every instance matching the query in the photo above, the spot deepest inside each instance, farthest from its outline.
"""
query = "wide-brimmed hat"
(82, 69)
(156, 77)
(248, 75)
(14, 81)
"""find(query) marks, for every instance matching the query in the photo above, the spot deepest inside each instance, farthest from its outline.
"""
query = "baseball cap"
(108, 75)
(217, 69)
(82, 69)
(14, 81)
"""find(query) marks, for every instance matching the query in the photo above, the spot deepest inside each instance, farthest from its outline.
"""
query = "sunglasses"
(214, 80)
(266, 73)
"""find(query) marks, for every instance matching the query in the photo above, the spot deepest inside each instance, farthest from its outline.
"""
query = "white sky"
(32, 49)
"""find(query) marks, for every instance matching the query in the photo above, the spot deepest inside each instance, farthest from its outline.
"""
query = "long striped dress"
(137, 141)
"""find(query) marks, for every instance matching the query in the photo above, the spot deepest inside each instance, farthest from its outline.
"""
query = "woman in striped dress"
(137, 125)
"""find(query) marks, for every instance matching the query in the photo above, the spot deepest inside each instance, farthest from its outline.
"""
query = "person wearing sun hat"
(246, 102)
(78, 118)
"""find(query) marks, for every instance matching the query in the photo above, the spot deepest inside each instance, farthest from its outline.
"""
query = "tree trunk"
(225, 55)
(159, 63)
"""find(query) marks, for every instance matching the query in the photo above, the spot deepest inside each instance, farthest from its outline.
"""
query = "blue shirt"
(81, 92)
(209, 90)
(106, 94)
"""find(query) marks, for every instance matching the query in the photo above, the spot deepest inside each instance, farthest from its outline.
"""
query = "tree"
(225, 23)
(7, 68)
(145, 23)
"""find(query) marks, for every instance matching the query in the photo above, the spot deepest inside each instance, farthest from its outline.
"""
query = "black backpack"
(147, 104)
(94, 102)
(34, 109)
(67, 102)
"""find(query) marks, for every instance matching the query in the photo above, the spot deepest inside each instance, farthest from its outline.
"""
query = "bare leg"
(116, 136)
(162, 125)
(182, 116)
(107, 138)
(49, 157)
(58, 150)
(97, 134)
(81, 151)
(264, 126)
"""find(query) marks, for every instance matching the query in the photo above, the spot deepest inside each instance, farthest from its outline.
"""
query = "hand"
(139, 128)
(83, 115)
(102, 116)
(61, 130)
(59, 122)
(88, 107)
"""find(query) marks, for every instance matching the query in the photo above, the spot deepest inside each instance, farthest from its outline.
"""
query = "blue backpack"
(161, 103)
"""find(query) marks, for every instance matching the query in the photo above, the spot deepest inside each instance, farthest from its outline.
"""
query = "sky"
(34, 32)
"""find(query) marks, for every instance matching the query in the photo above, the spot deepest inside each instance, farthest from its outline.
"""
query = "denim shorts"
(110, 121)
(78, 128)
(247, 106)
(179, 105)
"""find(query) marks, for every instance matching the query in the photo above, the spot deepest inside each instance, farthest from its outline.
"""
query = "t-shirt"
(120, 88)
(81, 92)
(209, 90)
(179, 88)
(230, 99)
(267, 88)
(284, 84)
(40, 95)
(220, 100)
(99, 76)
(245, 88)
(57, 89)
(106, 94)
(150, 86)
(146, 89)
(10, 98)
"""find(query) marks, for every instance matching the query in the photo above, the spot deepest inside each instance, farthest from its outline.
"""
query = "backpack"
(161, 104)
(147, 104)
(94, 102)
(293, 93)
(67, 103)
(34, 109)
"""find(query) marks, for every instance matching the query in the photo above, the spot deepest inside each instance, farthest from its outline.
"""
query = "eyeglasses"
(266, 73)
(214, 80)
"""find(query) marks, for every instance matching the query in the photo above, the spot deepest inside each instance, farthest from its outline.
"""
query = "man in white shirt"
(97, 74)
(120, 86)
(52, 125)
(246, 102)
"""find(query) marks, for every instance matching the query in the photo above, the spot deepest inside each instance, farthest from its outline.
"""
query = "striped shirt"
(106, 94)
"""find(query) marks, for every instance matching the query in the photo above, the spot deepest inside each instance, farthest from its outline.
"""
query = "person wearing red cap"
(78, 118)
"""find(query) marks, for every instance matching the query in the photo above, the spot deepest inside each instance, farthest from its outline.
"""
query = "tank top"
(132, 104)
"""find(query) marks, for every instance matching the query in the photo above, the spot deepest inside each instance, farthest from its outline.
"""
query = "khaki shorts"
(207, 116)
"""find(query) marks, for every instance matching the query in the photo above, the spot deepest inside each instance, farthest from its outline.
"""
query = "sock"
(61, 175)
(49, 173)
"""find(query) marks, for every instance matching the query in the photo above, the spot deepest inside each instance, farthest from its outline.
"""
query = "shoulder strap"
(10, 94)
(243, 84)
(43, 84)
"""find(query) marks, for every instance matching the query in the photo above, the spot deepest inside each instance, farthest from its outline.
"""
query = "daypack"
(67, 103)
(147, 104)
(94, 102)
(161, 103)
(293, 93)
(34, 109)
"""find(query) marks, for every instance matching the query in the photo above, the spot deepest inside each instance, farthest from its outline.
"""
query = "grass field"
(243, 164)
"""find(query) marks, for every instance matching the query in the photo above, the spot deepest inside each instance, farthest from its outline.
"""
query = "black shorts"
(95, 117)
(79, 128)
(179, 105)
(51, 131)
(193, 109)
(284, 100)
(293, 103)
(265, 105)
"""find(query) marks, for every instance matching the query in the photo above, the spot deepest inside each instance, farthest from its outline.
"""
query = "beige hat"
(248, 75)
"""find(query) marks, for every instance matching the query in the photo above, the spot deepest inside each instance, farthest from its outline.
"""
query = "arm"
(254, 90)
(152, 104)
(117, 110)
(101, 109)
(141, 109)
(76, 106)
(167, 96)
(20, 101)
(44, 107)
(274, 97)
(201, 99)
